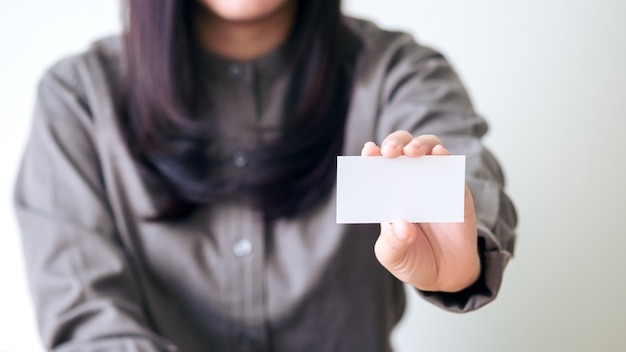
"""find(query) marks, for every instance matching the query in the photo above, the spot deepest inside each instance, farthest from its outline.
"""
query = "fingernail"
(391, 144)
(413, 147)
(401, 235)
(416, 144)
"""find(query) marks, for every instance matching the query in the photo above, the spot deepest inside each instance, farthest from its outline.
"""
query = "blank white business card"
(376, 189)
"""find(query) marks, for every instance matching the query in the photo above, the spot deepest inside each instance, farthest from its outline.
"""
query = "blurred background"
(550, 77)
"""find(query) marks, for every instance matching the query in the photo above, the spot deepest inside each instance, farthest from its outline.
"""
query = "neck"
(244, 40)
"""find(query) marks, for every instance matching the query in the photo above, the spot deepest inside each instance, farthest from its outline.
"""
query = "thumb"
(393, 243)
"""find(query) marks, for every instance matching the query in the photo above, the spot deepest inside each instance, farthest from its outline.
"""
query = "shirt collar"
(268, 65)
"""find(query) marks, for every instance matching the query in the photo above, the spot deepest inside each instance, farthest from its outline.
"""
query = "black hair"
(164, 134)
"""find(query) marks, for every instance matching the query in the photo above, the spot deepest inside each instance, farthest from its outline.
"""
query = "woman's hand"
(430, 256)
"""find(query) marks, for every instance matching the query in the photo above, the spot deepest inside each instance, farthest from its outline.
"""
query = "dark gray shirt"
(105, 279)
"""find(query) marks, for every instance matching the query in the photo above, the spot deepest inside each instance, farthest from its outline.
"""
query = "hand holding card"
(431, 256)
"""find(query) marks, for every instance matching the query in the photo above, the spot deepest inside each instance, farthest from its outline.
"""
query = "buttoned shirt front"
(104, 278)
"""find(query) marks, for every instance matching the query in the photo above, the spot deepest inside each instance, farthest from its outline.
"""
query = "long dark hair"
(169, 143)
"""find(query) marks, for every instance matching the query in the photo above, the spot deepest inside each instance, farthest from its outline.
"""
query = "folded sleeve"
(422, 94)
(82, 282)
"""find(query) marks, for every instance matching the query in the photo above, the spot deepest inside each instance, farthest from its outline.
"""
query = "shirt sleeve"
(422, 94)
(85, 293)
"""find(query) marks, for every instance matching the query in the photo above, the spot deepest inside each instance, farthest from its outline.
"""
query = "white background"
(550, 76)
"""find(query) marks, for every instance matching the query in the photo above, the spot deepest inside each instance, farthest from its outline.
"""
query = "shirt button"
(242, 248)
(240, 159)
(246, 339)
(235, 71)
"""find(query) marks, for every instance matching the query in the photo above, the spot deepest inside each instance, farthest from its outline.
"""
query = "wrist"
(462, 278)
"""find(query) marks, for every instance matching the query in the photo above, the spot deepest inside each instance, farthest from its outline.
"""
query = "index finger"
(393, 145)
(421, 145)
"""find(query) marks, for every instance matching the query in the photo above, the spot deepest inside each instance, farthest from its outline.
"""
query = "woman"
(177, 192)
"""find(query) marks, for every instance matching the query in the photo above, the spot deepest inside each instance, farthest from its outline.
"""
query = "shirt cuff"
(493, 260)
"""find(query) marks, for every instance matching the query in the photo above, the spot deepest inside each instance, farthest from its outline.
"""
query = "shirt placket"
(242, 230)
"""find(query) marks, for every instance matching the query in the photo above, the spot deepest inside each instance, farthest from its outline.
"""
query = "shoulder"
(385, 46)
(97, 70)
(77, 90)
